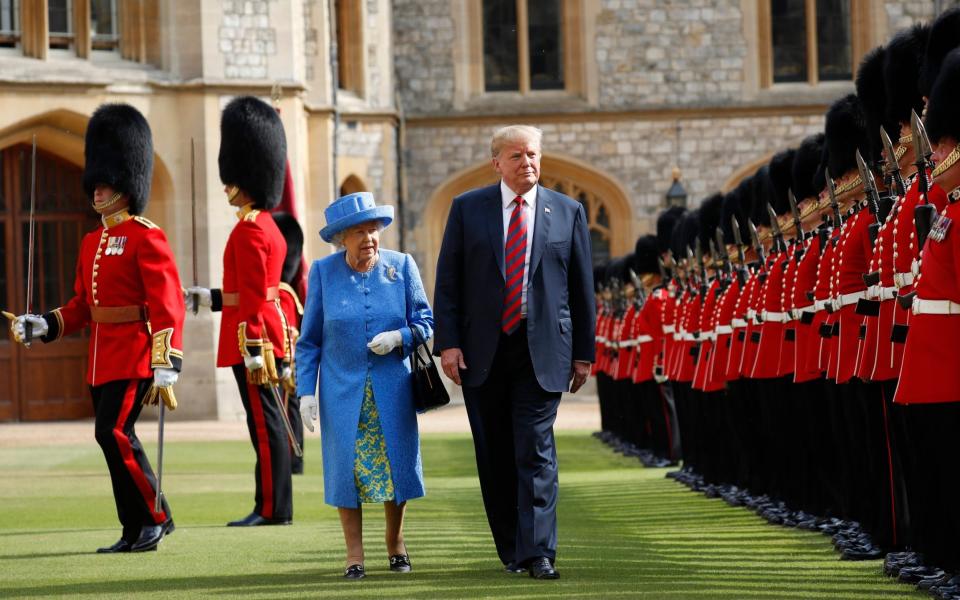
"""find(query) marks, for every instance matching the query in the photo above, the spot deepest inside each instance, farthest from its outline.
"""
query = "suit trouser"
(512, 418)
(117, 405)
(274, 494)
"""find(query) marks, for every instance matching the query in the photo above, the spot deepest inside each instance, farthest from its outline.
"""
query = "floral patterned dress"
(371, 466)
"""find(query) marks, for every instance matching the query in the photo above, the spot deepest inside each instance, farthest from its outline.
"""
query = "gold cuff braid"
(267, 375)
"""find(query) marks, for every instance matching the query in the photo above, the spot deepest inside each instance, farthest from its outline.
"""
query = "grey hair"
(514, 134)
(337, 238)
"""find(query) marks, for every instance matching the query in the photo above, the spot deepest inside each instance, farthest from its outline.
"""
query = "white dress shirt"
(508, 197)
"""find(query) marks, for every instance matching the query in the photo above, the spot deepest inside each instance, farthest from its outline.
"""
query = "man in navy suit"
(514, 315)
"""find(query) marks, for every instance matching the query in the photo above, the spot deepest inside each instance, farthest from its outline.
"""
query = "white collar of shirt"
(508, 196)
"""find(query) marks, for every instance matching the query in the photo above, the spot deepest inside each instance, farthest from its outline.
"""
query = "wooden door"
(47, 381)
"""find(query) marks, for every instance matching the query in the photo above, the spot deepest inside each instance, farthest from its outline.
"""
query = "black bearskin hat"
(942, 116)
(293, 234)
(711, 210)
(118, 151)
(781, 179)
(733, 207)
(761, 192)
(901, 70)
(645, 255)
(944, 37)
(599, 275)
(820, 175)
(667, 220)
(805, 163)
(685, 234)
(619, 268)
(253, 150)
(873, 99)
(846, 132)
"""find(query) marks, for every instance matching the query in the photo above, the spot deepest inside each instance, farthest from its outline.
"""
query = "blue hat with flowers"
(353, 209)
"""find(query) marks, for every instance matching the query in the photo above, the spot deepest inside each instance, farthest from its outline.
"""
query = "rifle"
(924, 213)
(873, 198)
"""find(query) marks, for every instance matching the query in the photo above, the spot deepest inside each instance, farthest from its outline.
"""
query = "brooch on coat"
(392, 273)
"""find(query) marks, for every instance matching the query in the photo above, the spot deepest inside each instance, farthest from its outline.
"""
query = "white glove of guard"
(193, 295)
(19, 328)
(163, 377)
(309, 410)
(383, 343)
(252, 363)
(287, 372)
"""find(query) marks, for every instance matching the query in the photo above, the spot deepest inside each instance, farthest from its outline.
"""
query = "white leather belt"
(628, 343)
(902, 279)
(722, 329)
(797, 312)
(776, 317)
(848, 299)
(677, 337)
(688, 337)
(601, 339)
(643, 339)
(751, 315)
(708, 335)
(738, 323)
(819, 305)
(668, 328)
(878, 292)
(935, 307)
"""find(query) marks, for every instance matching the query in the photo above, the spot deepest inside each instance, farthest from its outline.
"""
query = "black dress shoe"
(540, 568)
(149, 538)
(255, 520)
(514, 569)
(121, 545)
(354, 572)
(400, 563)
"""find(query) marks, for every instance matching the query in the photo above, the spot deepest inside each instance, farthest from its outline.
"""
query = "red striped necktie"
(515, 253)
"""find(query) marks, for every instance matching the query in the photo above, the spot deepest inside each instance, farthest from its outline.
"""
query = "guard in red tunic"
(127, 292)
(253, 328)
(293, 314)
(930, 382)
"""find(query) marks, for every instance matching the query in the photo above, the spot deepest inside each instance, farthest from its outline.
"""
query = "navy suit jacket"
(469, 293)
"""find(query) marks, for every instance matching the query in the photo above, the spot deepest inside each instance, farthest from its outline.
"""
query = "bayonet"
(757, 246)
(663, 270)
(891, 166)
(27, 325)
(738, 241)
(869, 186)
(834, 203)
(924, 212)
(795, 213)
(775, 228)
(721, 250)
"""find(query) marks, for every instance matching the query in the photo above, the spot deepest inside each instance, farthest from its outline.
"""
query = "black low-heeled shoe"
(400, 563)
(354, 572)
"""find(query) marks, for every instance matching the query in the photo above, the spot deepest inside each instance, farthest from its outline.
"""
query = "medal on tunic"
(115, 245)
(940, 228)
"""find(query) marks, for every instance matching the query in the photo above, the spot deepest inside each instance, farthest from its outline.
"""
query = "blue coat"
(345, 310)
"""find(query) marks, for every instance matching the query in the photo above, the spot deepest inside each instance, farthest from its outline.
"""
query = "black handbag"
(428, 390)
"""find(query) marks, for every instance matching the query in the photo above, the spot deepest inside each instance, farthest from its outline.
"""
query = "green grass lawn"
(625, 531)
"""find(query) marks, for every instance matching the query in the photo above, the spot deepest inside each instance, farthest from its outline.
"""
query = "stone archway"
(605, 199)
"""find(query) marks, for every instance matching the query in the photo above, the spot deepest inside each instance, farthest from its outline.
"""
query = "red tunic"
(852, 262)
(724, 333)
(929, 373)
(738, 324)
(252, 263)
(788, 339)
(819, 350)
(689, 336)
(766, 360)
(806, 334)
(676, 345)
(649, 335)
(707, 327)
(752, 330)
(127, 264)
(626, 345)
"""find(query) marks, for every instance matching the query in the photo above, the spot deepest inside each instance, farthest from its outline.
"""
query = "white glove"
(192, 296)
(252, 363)
(309, 410)
(383, 343)
(287, 372)
(163, 377)
(19, 328)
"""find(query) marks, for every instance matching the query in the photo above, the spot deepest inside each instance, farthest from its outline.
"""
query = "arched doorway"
(43, 382)
(609, 215)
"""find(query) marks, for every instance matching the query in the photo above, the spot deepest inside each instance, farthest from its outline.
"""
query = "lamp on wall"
(676, 195)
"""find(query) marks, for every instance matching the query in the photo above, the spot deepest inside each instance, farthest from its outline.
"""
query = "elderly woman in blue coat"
(365, 313)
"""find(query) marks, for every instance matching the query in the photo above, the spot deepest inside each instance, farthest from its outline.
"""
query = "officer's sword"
(297, 451)
(193, 222)
(27, 325)
(158, 501)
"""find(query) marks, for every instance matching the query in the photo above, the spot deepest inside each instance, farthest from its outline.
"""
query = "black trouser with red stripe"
(117, 405)
(274, 495)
